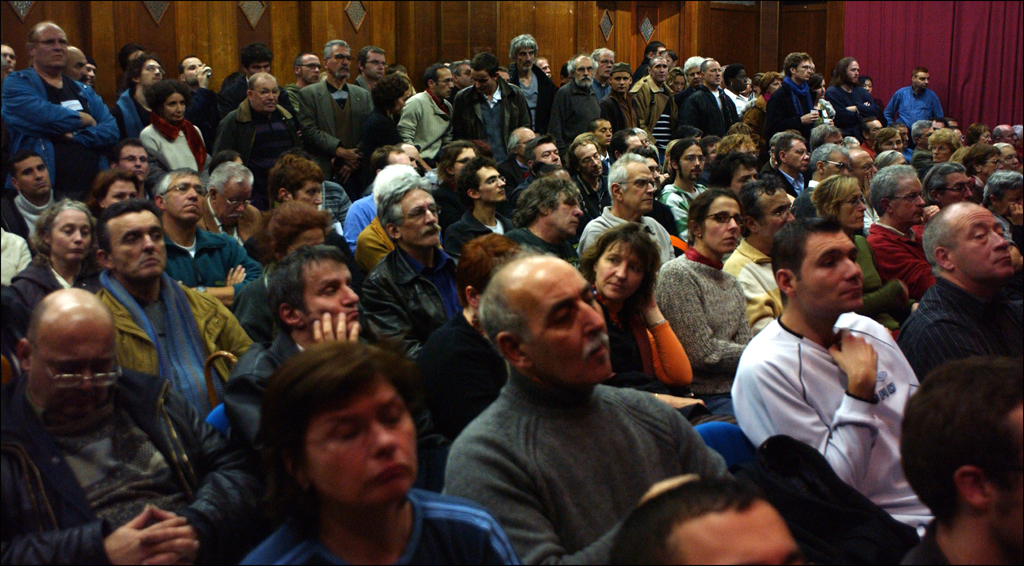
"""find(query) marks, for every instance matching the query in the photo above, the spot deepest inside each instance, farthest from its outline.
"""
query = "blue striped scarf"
(184, 366)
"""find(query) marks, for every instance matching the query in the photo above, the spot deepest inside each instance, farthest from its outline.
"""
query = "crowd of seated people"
(760, 320)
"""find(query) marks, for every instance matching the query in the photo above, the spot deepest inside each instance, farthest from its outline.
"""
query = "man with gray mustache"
(560, 459)
(575, 104)
(411, 293)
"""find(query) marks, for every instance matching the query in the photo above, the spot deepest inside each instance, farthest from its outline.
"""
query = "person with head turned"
(340, 454)
(704, 304)
(962, 451)
(557, 504)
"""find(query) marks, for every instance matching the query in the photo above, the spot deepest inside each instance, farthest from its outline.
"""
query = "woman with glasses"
(703, 304)
(171, 141)
(65, 254)
(839, 198)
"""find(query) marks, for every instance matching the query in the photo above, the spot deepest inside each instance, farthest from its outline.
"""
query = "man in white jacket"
(827, 377)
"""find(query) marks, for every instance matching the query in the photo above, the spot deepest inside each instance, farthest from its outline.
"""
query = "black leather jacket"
(243, 394)
(47, 518)
(399, 303)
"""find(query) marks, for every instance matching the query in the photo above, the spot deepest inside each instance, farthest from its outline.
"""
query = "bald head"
(69, 355)
(66, 308)
(966, 245)
(543, 317)
(76, 64)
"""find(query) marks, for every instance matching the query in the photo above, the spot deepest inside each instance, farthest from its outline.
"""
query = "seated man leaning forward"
(109, 466)
(562, 504)
(163, 327)
(411, 293)
(310, 294)
(827, 377)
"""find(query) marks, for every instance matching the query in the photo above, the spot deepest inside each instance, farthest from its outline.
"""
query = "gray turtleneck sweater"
(561, 469)
(30, 212)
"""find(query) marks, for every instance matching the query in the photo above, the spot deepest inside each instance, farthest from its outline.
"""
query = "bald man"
(96, 457)
(555, 503)
(76, 64)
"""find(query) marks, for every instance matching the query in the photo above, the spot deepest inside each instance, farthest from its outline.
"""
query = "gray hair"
(520, 42)
(390, 187)
(819, 133)
(455, 66)
(1001, 145)
(887, 158)
(596, 55)
(824, 152)
(936, 177)
(496, 311)
(229, 172)
(618, 175)
(918, 128)
(851, 142)
(695, 61)
(259, 77)
(1000, 183)
(164, 184)
(886, 183)
(513, 141)
(329, 46)
(940, 232)
(572, 62)
(44, 225)
(542, 197)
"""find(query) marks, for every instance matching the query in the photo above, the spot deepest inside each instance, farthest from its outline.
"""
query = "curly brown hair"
(280, 226)
(290, 173)
(388, 91)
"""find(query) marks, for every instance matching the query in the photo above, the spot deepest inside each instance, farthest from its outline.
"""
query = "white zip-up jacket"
(786, 384)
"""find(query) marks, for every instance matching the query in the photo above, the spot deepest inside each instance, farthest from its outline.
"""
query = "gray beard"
(584, 83)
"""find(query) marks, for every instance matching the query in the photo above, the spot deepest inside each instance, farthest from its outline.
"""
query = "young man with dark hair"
(310, 293)
(32, 193)
(828, 377)
(491, 110)
(482, 189)
(254, 58)
(705, 521)
(732, 170)
(130, 155)
(792, 105)
(372, 63)
(962, 449)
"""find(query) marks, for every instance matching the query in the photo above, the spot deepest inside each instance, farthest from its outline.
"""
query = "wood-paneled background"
(416, 34)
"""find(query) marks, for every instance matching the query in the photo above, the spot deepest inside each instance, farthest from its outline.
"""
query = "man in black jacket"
(792, 105)
(310, 293)
(536, 86)
(411, 293)
(709, 109)
(491, 110)
(103, 465)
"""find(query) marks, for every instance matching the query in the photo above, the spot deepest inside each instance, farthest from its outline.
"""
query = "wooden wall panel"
(803, 28)
(741, 22)
(418, 33)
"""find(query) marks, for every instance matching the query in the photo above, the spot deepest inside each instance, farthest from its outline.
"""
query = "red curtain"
(974, 52)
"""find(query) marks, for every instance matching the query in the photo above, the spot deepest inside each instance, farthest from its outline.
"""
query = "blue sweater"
(216, 255)
(445, 530)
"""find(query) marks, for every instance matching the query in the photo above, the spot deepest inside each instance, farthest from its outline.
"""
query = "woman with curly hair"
(381, 128)
(171, 141)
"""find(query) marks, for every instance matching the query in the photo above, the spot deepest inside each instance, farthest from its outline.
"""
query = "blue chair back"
(728, 440)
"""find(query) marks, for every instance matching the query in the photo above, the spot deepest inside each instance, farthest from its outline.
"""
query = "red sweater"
(899, 257)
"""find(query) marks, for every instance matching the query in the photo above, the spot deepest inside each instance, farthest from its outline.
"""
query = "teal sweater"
(216, 255)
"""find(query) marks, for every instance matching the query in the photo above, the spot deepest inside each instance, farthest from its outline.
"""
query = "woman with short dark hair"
(339, 447)
(171, 141)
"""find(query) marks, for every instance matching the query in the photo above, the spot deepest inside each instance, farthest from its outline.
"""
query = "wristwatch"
(201, 289)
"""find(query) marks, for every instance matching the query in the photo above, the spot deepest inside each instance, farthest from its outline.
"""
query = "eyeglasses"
(73, 380)
(842, 166)
(911, 197)
(237, 201)
(420, 211)
(725, 217)
(958, 188)
(644, 183)
(341, 57)
(186, 187)
(153, 68)
(266, 91)
(856, 200)
(316, 66)
(695, 158)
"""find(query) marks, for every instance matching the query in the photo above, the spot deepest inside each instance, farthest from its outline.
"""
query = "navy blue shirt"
(441, 279)
(445, 530)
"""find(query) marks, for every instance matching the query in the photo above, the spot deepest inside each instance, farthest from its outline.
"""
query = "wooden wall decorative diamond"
(21, 8)
(606, 25)
(356, 12)
(647, 29)
(157, 10)
(253, 11)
